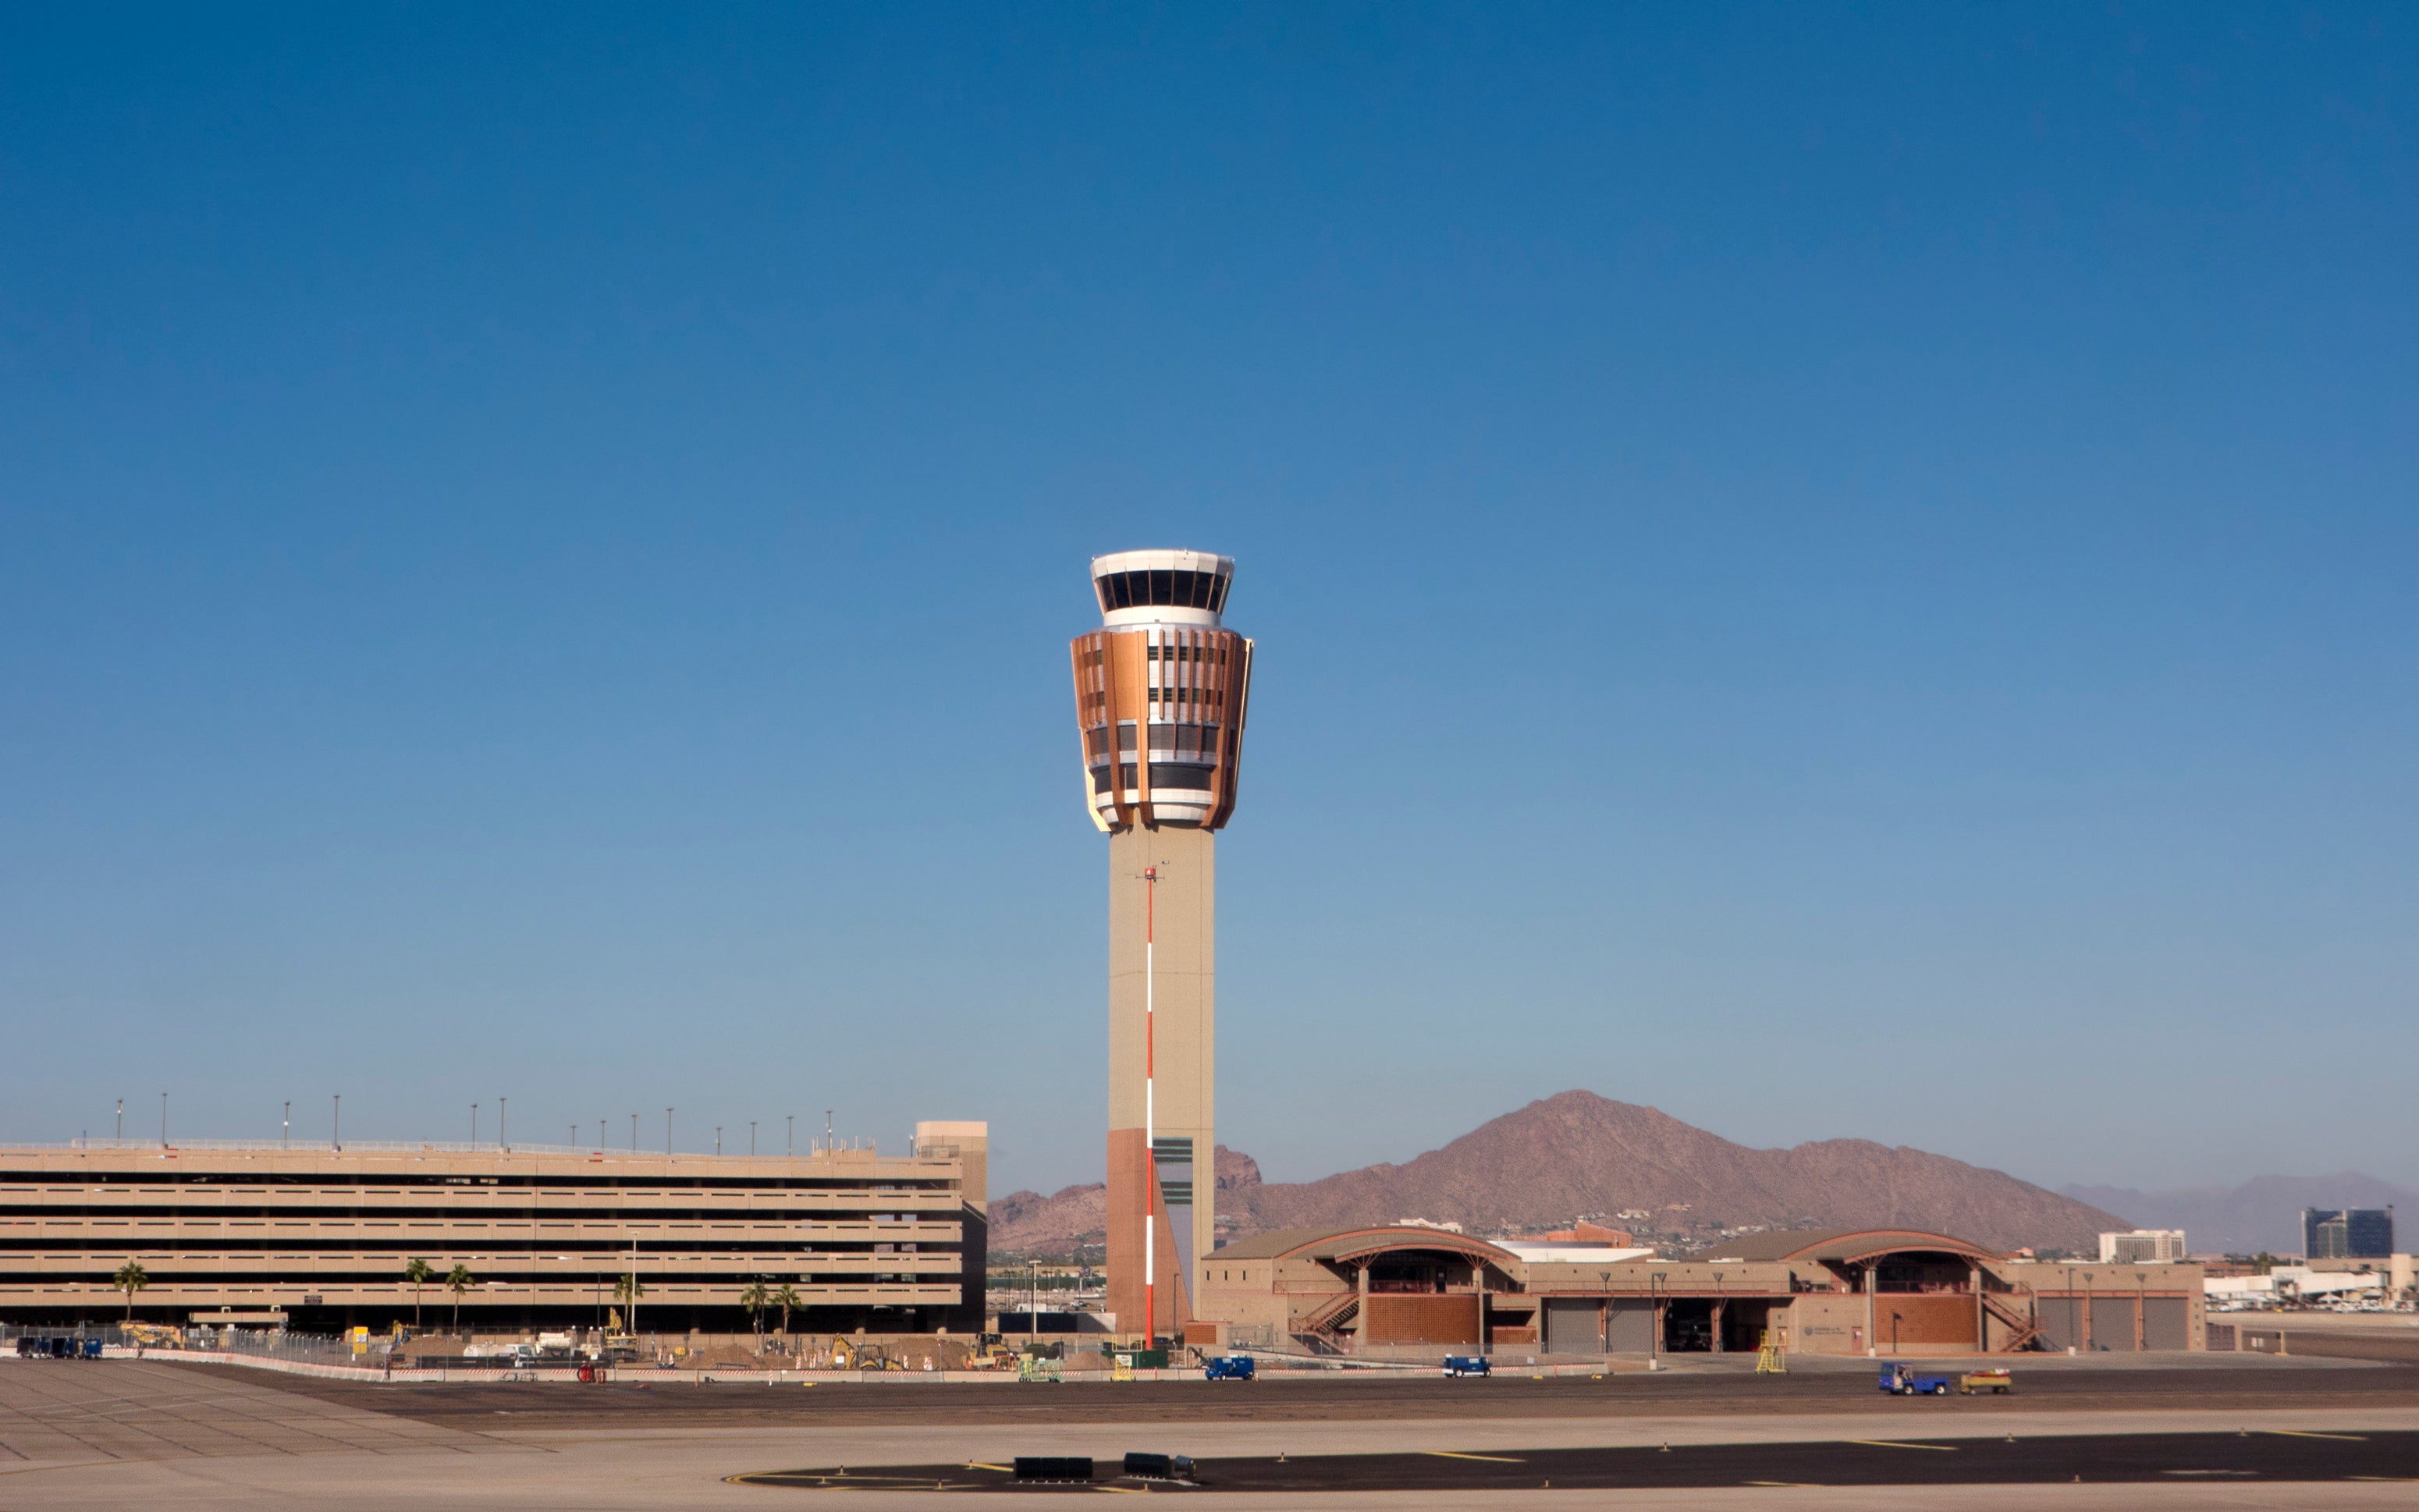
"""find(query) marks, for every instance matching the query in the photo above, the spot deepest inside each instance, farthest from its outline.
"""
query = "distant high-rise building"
(1159, 696)
(2142, 1246)
(2348, 1233)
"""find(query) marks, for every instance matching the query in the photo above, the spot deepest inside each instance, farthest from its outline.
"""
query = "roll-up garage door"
(1571, 1326)
(2166, 1323)
(2061, 1322)
(2112, 1323)
(1629, 1327)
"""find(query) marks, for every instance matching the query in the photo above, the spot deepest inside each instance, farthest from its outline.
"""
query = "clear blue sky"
(1837, 571)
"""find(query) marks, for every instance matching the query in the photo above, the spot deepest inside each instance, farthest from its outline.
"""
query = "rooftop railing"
(433, 1147)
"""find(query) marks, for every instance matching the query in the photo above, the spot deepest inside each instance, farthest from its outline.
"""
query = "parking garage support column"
(1478, 1284)
(1873, 1343)
(1981, 1323)
(1360, 1329)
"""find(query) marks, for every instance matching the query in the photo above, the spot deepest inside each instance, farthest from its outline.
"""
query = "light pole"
(667, 1132)
(285, 1126)
(751, 1139)
(792, 1148)
(500, 1110)
(474, 1126)
(121, 1119)
(634, 1134)
(2089, 1337)
(164, 1120)
(336, 1127)
(717, 1139)
(1653, 1320)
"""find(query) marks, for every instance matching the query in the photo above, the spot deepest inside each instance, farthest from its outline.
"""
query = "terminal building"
(1841, 1293)
(320, 1239)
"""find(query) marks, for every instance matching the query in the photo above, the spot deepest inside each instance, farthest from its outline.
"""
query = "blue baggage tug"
(1899, 1379)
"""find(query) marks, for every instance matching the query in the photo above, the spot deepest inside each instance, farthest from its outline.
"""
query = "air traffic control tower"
(1160, 695)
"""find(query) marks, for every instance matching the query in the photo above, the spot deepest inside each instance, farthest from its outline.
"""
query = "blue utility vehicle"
(1902, 1378)
(1467, 1364)
(1228, 1367)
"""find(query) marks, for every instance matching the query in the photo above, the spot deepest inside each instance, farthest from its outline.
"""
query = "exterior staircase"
(1322, 1332)
(2023, 1332)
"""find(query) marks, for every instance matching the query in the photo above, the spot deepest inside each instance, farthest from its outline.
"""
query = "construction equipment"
(859, 1355)
(1034, 1367)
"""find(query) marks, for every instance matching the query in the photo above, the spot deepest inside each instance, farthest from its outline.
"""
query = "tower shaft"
(1176, 1053)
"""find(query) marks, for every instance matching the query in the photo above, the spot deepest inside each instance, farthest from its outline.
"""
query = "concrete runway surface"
(120, 1434)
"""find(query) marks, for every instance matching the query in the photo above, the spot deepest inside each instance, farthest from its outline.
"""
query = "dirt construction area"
(2240, 1431)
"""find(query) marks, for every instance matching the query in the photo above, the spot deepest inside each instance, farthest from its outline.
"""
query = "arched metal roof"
(1842, 1247)
(1352, 1243)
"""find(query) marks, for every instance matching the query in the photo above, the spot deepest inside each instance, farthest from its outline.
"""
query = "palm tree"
(131, 1279)
(419, 1273)
(785, 1297)
(457, 1281)
(754, 1299)
(627, 1289)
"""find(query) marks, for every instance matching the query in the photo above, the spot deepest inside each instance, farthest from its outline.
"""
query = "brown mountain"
(1577, 1155)
(1027, 1222)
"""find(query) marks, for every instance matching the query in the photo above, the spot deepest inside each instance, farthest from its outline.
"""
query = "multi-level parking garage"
(320, 1238)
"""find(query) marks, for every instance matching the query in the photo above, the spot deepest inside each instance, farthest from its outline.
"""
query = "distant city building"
(2142, 1246)
(2348, 1233)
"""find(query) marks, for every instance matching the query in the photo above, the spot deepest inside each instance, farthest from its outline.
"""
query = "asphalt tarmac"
(676, 1400)
(104, 1436)
(2048, 1460)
